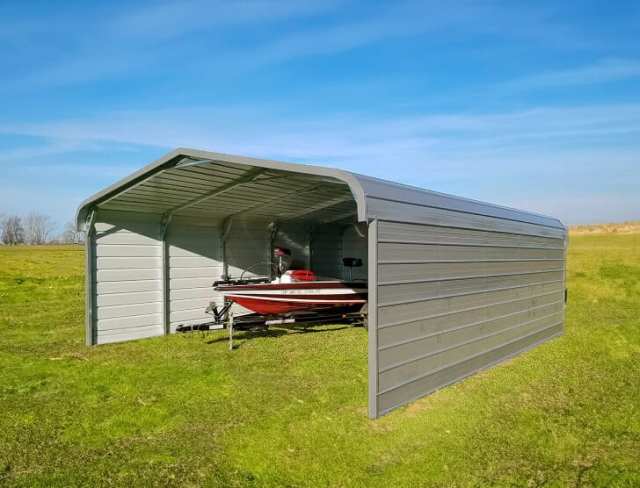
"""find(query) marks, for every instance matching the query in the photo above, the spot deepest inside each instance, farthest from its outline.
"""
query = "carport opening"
(223, 221)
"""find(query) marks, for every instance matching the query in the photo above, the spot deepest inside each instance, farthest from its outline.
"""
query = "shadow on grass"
(274, 332)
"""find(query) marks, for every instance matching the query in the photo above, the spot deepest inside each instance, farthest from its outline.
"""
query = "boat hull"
(289, 298)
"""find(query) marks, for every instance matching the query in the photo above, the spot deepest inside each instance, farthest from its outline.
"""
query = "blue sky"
(533, 105)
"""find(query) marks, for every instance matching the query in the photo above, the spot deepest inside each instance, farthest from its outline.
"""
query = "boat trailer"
(223, 318)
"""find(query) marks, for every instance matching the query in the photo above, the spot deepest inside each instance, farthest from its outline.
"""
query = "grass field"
(289, 409)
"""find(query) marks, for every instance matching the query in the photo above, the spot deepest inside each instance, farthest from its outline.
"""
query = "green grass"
(289, 409)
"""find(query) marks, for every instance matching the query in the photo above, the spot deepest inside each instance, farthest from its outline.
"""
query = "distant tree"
(12, 230)
(71, 235)
(37, 228)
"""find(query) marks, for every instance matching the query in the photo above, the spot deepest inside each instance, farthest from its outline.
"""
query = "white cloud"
(267, 130)
(172, 19)
(603, 71)
(531, 157)
(113, 44)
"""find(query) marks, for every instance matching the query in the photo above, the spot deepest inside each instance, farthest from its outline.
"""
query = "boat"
(278, 297)
(296, 295)
(296, 291)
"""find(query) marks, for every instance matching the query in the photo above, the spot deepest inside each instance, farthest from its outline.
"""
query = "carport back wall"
(127, 284)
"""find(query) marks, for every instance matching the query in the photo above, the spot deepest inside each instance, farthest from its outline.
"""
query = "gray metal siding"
(248, 245)
(397, 193)
(128, 288)
(295, 237)
(248, 252)
(354, 245)
(195, 262)
(330, 243)
(407, 212)
(455, 298)
(326, 251)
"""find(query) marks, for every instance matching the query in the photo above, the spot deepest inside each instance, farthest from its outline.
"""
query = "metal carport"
(455, 285)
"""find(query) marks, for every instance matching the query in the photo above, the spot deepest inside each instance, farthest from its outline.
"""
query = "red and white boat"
(296, 291)
(310, 296)
(295, 295)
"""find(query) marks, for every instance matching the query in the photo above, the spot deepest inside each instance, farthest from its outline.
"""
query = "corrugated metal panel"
(330, 243)
(409, 293)
(219, 190)
(248, 247)
(140, 332)
(407, 212)
(429, 234)
(295, 237)
(354, 245)
(470, 362)
(326, 250)
(195, 262)
(452, 300)
(392, 193)
(128, 297)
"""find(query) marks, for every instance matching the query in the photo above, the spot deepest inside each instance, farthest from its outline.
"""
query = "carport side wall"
(125, 282)
(455, 293)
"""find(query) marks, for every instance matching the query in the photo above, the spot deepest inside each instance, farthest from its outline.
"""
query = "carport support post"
(164, 227)
(90, 306)
(372, 317)
(225, 228)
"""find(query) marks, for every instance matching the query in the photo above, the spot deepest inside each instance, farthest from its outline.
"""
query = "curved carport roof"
(202, 183)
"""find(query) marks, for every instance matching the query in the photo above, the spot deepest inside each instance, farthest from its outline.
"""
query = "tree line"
(36, 229)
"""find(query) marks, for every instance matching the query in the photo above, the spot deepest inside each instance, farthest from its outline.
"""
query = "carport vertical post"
(564, 270)
(164, 227)
(372, 317)
(90, 305)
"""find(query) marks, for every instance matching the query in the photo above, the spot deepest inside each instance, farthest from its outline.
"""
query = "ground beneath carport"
(289, 408)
